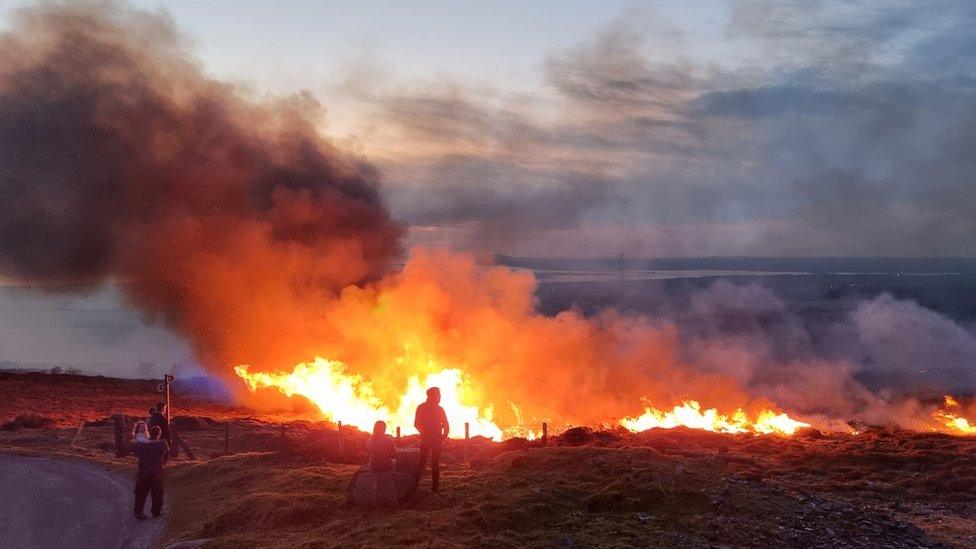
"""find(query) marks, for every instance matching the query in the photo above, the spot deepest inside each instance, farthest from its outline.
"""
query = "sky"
(741, 127)
(593, 129)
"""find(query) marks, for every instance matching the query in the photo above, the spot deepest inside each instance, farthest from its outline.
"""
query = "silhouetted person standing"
(157, 418)
(431, 421)
(149, 478)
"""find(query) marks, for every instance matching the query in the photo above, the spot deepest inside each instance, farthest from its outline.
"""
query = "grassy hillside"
(283, 483)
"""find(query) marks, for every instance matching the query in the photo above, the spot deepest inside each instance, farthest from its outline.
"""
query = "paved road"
(49, 503)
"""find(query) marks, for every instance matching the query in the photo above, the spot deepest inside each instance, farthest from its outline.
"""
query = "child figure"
(142, 433)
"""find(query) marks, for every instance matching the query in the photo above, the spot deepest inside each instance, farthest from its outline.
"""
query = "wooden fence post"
(398, 434)
(120, 445)
(545, 433)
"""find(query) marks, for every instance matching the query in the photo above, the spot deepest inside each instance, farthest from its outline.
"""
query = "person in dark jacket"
(431, 422)
(381, 449)
(149, 477)
(158, 419)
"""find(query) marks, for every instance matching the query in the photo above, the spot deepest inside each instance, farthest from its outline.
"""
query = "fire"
(349, 398)
(690, 414)
(502, 366)
(950, 418)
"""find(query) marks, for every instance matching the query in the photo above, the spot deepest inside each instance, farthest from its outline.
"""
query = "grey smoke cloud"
(844, 131)
(870, 363)
(122, 161)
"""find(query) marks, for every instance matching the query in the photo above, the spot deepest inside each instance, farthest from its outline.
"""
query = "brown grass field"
(661, 488)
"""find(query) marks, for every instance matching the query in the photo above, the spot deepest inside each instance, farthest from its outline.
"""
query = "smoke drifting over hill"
(828, 129)
(120, 160)
(246, 231)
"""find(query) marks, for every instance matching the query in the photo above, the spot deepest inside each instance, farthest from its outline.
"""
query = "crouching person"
(149, 478)
(381, 449)
(378, 483)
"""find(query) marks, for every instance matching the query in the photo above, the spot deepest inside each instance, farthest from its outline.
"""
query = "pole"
(174, 450)
(168, 378)
(466, 433)
(545, 433)
(398, 434)
(226, 438)
(120, 449)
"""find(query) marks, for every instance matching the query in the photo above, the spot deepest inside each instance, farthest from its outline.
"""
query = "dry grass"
(659, 488)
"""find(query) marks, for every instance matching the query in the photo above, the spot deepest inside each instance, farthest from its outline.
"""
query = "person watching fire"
(431, 421)
(381, 449)
(149, 476)
(157, 418)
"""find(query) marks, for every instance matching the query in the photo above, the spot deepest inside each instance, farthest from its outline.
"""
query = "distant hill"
(814, 265)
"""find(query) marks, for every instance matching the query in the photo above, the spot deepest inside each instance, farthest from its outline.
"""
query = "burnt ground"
(286, 487)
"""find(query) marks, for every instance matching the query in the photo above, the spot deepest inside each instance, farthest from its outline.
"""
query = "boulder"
(385, 489)
(406, 460)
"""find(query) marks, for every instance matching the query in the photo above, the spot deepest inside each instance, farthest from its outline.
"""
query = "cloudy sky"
(576, 128)
(582, 128)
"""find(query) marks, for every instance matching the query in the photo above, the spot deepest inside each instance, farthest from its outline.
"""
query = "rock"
(406, 459)
(385, 489)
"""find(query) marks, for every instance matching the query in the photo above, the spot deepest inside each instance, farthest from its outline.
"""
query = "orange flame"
(949, 417)
(690, 414)
(474, 331)
(350, 399)
(342, 396)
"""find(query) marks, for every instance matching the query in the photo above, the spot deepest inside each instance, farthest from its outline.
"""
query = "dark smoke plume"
(120, 160)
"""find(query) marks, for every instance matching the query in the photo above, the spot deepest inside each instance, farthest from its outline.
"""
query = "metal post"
(168, 378)
(174, 450)
(466, 433)
(545, 433)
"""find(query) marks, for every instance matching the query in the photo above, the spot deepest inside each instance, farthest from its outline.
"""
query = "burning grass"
(664, 487)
